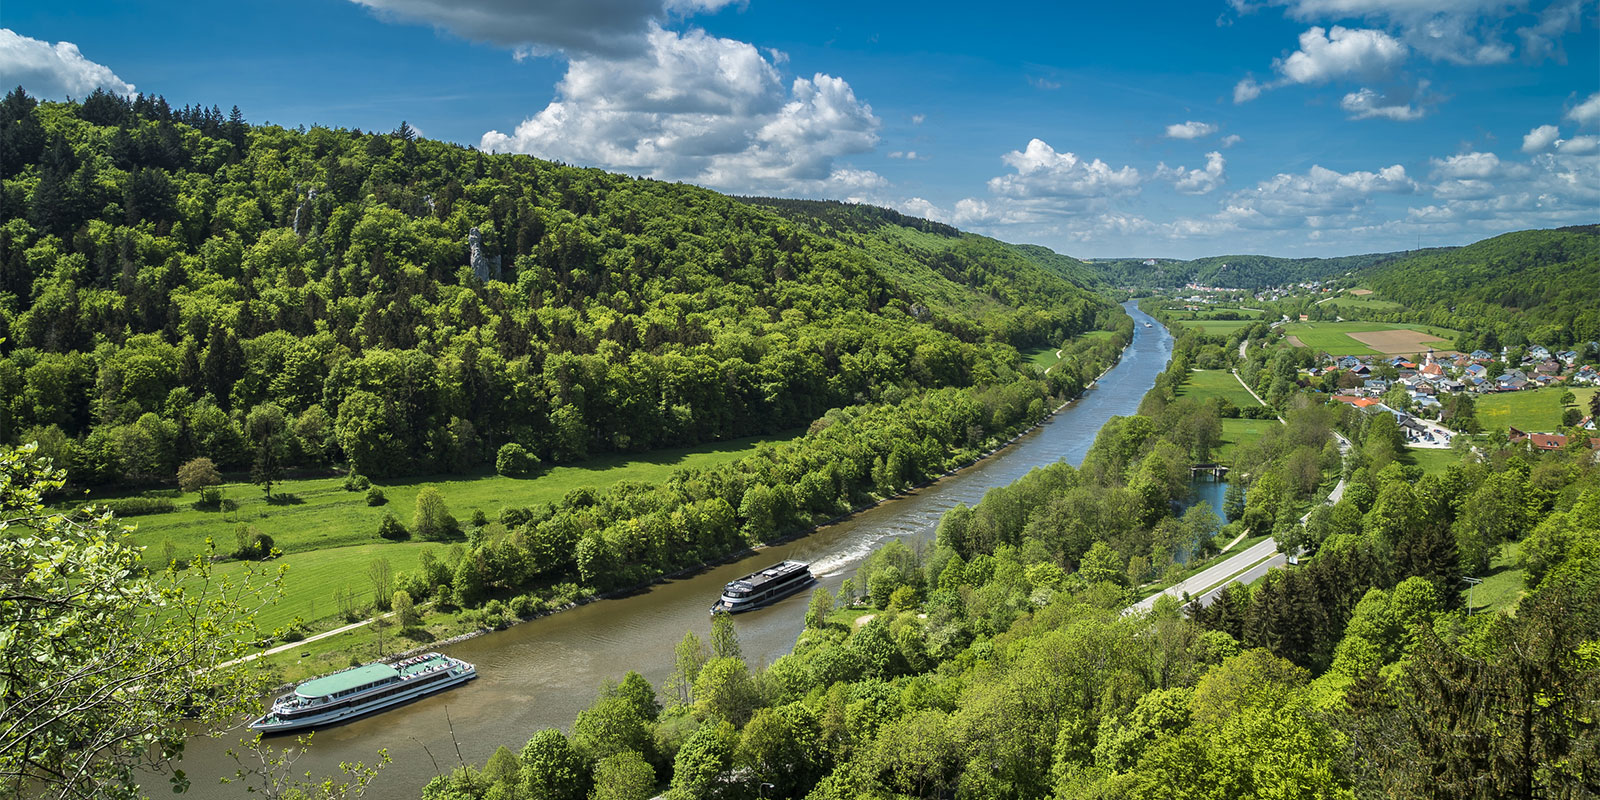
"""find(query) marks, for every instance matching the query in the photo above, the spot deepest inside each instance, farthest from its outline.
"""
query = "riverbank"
(315, 654)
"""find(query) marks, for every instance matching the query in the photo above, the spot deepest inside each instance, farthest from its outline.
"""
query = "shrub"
(393, 529)
(479, 519)
(211, 497)
(526, 606)
(251, 543)
(355, 482)
(375, 496)
(137, 506)
(514, 460)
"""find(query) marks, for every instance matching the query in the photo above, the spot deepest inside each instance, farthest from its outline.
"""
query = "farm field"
(1219, 327)
(317, 514)
(1537, 410)
(1369, 338)
(1204, 384)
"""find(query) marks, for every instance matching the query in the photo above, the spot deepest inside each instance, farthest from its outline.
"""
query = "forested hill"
(174, 280)
(936, 260)
(1538, 287)
(1238, 272)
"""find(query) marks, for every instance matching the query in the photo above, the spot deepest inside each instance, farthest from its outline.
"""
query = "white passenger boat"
(362, 690)
(765, 587)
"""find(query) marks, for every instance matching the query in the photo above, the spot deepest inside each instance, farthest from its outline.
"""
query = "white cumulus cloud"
(1231, 140)
(1586, 112)
(1195, 181)
(1368, 104)
(1455, 31)
(705, 109)
(54, 71)
(1043, 172)
(1466, 165)
(1331, 54)
(1539, 139)
(1190, 130)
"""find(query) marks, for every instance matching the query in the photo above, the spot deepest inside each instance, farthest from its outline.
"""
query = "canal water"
(540, 674)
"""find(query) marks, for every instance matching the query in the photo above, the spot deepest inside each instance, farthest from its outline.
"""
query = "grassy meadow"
(1355, 304)
(1537, 410)
(329, 536)
(1236, 432)
(1502, 587)
(1043, 358)
(1333, 337)
(1433, 462)
(1204, 384)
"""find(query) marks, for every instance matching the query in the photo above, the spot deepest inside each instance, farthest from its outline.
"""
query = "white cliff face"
(482, 266)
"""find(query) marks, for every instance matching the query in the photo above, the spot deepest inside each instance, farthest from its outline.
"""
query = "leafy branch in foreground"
(272, 770)
(101, 663)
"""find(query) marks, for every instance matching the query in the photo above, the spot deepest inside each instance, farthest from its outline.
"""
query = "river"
(540, 674)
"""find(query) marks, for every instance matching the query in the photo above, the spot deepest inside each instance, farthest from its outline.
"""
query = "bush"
(479, 519)
(137, 506)
(210, 497)
(355, 482)
(393, 529)
(375, 496)
(251, 544)
(514, 460)
(526, 606)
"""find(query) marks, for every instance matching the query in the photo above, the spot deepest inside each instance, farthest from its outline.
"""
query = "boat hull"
(787, 591)
(343, 715)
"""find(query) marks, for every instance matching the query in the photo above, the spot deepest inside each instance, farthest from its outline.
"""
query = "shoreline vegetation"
(732, 556)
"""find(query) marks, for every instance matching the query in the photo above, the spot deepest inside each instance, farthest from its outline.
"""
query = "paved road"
(1214, 575)
(1251, 575)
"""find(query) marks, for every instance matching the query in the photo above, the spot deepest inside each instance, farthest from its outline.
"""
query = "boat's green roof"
(346, 679)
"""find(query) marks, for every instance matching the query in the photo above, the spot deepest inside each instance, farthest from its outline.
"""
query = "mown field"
(1334, 337)
(1537, 410)
(329, 536)
(318, 514)
(1357, 303)
(1236, 432)
(1043, 358)
(1433, 462)
(1204, 384)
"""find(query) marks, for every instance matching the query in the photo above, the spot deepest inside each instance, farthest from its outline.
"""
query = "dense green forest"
(1238, 272)
(176, 283)
(999, 664)
(1529, 287)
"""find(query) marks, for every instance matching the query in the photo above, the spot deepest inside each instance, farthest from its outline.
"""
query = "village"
(1421, 389)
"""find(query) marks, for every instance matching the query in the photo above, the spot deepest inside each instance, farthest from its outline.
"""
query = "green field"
(1536, 410)
(329, 536)
(1219, 327)
(1204, 384)
(1355, 304)
(1502, 587)
(1043, 358)
(1433, 462)
(1236, 432)
(313, 577)
(1332, 337)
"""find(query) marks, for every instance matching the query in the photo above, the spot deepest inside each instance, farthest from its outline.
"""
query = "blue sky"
(1287, 127)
